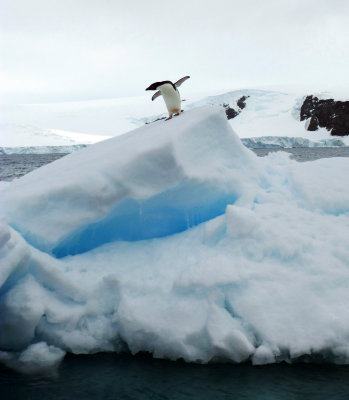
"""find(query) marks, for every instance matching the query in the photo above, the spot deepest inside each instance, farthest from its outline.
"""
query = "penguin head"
(154, 86)
(157, 85)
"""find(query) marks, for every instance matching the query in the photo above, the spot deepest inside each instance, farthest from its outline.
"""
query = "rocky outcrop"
(242, 102)
(330, 114)
(231, 112)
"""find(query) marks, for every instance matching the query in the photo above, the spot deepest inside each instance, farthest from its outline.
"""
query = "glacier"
(285, 142)
(175, 239)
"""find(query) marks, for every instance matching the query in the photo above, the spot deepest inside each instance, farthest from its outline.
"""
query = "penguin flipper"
(155, 95)
(180, 81)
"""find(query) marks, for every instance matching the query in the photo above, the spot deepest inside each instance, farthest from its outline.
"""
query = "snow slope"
(268, 113)
(14, 136)
(177, 240)
(61, 124)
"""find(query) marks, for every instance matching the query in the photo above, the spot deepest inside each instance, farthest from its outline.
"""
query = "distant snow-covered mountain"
(23, 134)
(269, 119)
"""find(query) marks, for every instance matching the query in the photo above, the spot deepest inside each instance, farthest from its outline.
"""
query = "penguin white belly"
(171, 98)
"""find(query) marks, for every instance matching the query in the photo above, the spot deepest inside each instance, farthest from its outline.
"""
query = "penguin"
(169, 92)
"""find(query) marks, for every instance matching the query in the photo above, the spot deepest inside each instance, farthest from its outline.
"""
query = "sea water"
(118, 377)
(16, 165)
(115, 376)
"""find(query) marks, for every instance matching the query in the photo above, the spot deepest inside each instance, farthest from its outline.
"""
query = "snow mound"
(177, 240)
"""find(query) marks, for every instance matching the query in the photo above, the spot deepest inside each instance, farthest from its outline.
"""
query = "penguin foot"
(170, 117)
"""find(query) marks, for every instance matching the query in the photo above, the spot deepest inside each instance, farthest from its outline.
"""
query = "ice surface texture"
(177, 240)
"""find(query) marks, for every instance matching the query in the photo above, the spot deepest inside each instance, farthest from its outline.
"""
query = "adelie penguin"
(169, 92)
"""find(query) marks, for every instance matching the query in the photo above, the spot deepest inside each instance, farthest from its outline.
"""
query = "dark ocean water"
(113, 376)
(109, 376)
(16, 165)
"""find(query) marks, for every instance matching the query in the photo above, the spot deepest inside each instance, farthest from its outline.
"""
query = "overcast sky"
(86, 49)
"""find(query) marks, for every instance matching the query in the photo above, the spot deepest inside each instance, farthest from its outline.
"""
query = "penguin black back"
(155, 85)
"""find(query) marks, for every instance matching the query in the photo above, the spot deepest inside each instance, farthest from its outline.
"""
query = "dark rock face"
(230, 112)
(330, 114)
(242, 102)
(313, 124)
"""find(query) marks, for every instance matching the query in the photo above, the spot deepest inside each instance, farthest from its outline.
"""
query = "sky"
(64, 50)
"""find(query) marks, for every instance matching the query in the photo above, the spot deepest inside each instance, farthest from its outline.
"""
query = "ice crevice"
(168, 213)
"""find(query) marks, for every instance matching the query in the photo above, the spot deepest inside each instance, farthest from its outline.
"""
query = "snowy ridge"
(177, 240)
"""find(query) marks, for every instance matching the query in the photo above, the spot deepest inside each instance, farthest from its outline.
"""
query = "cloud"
(100, 48)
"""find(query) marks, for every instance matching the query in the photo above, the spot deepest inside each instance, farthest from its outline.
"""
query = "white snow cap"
(177, 240)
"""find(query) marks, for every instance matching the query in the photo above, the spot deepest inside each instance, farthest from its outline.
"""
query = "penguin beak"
(153, 86)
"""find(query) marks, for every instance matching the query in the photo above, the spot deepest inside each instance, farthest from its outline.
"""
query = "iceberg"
(177, 240)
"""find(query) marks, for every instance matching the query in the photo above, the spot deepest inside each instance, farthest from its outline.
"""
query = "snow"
(144, 172)
(38, 358)
(67, 123)
(15, 135)
(267, 113)
(177, 240)
(336, 94)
